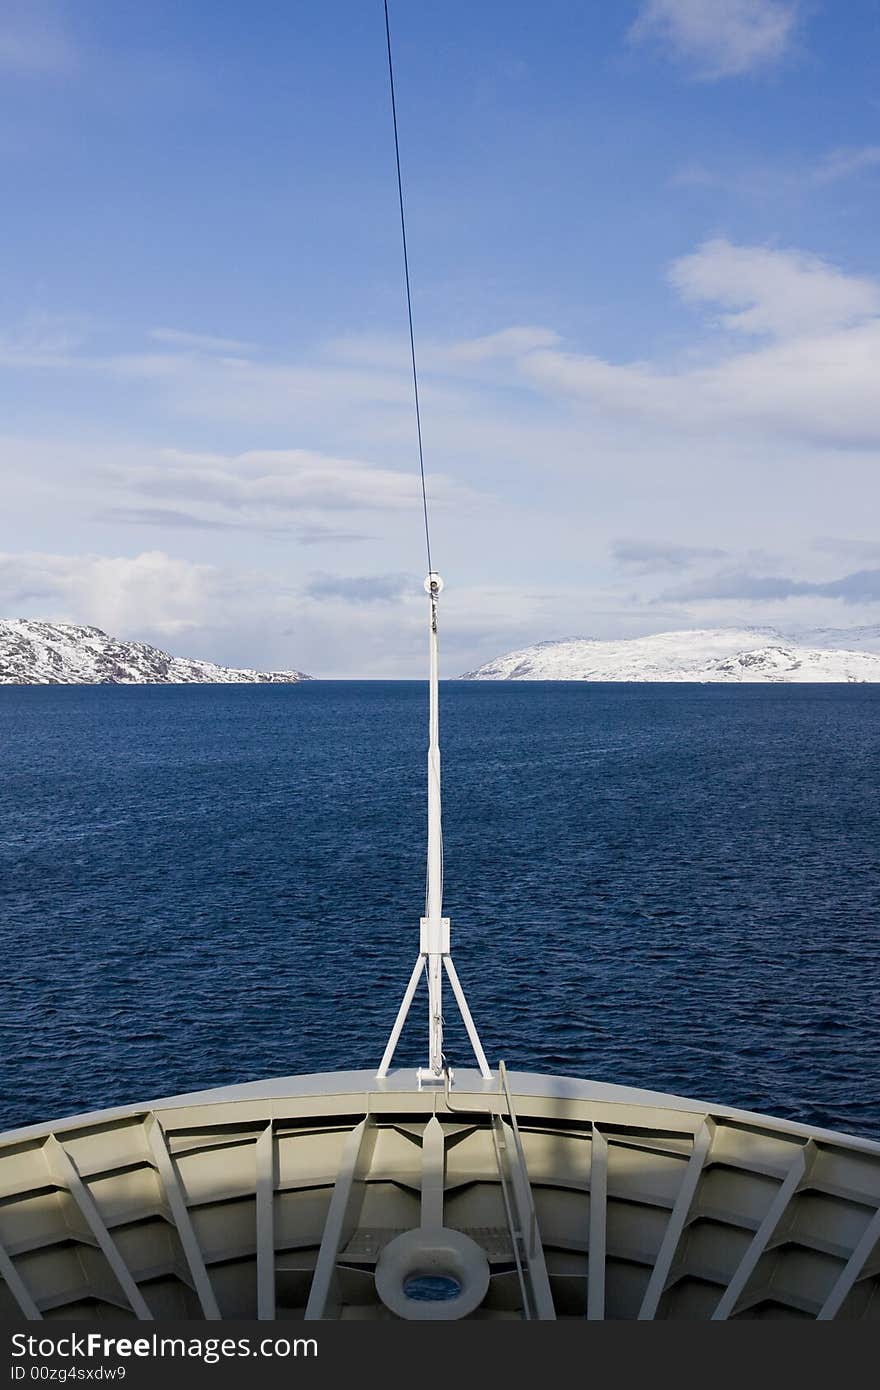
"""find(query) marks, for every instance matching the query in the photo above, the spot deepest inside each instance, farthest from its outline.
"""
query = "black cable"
(412, 341)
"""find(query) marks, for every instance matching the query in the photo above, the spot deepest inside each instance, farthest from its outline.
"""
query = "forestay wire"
(412, 341)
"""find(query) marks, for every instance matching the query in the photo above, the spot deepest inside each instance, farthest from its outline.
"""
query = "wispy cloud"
(368, 588)
(848, 547)
(169, 518)
(719, 38)
(798, 363)
(42, 338)
(383, 353)
(202, 342)
(769, 184)
(844, 163)
(651, 557)
(262, 484)
(860, 587)
(509, 342)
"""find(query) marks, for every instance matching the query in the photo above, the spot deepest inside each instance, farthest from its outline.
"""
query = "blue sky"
(646, 285)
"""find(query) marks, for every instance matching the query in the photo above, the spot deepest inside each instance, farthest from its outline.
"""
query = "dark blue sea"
(668, 886)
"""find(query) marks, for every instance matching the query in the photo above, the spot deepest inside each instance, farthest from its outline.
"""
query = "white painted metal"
(18, 1288)
(869, 1242)
(64, 1171)
(337, 1224)
(764, 1233)
(499, 1144)
(688, 1212)
(467, 1018)
(401, 1019)
(434, 890)
(598, 1224)
(434, 934)
(677, 1220)
(432, 1250)
(264, 1186)
(534, 1263)
(433, 1174)
(180, 1216)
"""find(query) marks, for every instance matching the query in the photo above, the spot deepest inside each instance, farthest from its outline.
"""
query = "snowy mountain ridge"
(33, 652)
(863, 639)
(707, 654)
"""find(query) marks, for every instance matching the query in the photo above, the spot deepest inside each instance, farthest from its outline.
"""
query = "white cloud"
(381, 352)
(721, 38)
(842, 164)
(758, 438)
(278, 482)
(820, 390)
(509, 342)
(256, 618)
(816, 380)
(151, 592)
(55, 488)
(352, 388)
(176, 519)
(780, 292)
(191, 379)
(201, 342)
(852, 549)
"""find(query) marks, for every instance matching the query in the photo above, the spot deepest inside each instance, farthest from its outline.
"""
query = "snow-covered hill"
(38, 653)
(721, 654)
(852, 639)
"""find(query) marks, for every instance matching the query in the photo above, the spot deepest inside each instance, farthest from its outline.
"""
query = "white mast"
(434, 943)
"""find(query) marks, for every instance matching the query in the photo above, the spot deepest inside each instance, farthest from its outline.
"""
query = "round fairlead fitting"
(438, 1256)
(433, 584)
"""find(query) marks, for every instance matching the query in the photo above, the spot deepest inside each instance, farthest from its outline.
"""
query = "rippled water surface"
(668, 886)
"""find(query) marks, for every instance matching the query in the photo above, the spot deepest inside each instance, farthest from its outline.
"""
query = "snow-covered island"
(716, 654)
(42, 653)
